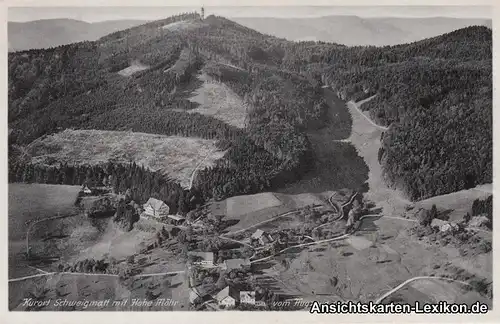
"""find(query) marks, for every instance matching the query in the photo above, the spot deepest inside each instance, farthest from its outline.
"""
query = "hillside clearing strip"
(217, 100)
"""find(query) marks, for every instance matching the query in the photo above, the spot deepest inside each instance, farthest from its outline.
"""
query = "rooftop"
(176, 217)
(258, 233)
(236, 263)
(155, 203)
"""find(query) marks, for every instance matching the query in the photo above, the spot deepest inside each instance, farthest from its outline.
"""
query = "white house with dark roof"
(227, 297)
(247, 297)
(156, 208)
(262, 237)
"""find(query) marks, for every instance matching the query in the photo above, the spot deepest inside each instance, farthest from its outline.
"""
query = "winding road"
(400, 286)
(356, 106)
(198, 166)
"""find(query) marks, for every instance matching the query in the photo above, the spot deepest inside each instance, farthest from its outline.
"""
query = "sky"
(94, 14)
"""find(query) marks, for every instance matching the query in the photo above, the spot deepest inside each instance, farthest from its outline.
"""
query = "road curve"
(395, 289)
(355, 106)
(197, 167)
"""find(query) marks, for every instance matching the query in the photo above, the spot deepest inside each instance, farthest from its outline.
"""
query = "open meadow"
(29, 202)
(251, 210)
(66, 241)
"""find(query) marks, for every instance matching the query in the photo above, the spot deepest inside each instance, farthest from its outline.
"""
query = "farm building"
(198, 294)
(262, 237)
(236, 264)
(175, 219)
(202, 258)
(260, 303)
(86, 190)
(247, 297)
(156, 208)
(227, 297)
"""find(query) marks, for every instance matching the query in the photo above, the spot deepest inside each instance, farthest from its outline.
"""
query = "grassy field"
(26, 203)
(133, 68)
(219, 101)
(175, 156)
(456, 204)
(388, 257)
(240, 205)
(252, 209)
(181, 25)
(81, 238)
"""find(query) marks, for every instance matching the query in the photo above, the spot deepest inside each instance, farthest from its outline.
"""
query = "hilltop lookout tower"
(202, 13)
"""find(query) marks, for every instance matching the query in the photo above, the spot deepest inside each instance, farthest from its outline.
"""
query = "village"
(223, 268)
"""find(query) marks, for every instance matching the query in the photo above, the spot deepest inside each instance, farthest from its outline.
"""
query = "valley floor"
(381, 260)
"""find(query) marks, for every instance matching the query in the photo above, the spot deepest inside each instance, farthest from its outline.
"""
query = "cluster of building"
(229, 296)
(226, 298)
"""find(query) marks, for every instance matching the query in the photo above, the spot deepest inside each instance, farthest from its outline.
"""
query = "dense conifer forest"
(435, 95)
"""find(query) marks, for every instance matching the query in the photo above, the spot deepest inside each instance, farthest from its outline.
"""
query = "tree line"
(141, 183)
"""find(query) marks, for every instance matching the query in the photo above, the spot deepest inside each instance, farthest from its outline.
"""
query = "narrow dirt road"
(402, 285)
(358, 104)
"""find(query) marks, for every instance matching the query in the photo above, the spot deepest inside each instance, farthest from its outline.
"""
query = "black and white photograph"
(319, 159)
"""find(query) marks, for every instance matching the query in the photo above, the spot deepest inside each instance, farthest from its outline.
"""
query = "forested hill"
(418, 86)
(78, 86)
(437, 95)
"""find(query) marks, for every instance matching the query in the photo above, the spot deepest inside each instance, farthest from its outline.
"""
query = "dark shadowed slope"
(353, 30)
(54, 32)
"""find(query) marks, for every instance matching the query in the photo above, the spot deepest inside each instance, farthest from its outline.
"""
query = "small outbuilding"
(176, 219)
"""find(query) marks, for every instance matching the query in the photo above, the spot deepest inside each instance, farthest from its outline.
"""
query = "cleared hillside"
(176, 157)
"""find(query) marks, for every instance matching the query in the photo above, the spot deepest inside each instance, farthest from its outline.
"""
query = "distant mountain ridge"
(347, 30)
(48, 33)
(358, 31)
